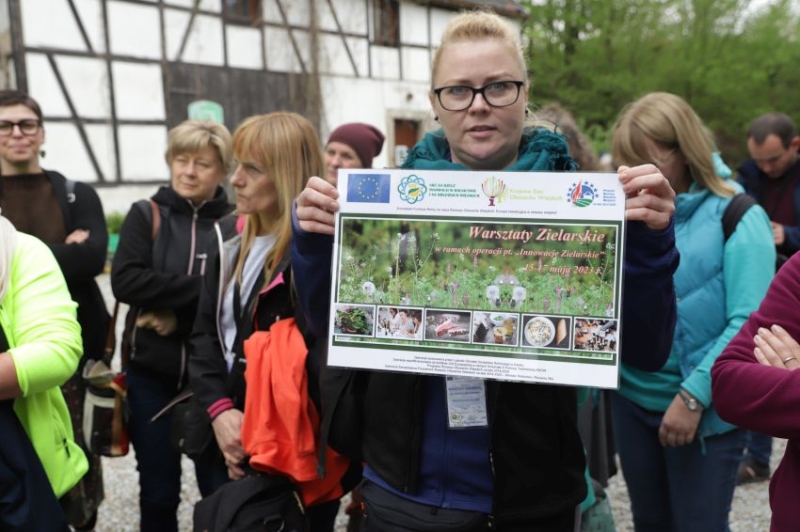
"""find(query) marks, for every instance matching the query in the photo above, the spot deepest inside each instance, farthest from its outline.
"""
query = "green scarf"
(539, 150)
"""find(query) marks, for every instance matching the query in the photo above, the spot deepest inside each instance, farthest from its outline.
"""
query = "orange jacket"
(280, 429)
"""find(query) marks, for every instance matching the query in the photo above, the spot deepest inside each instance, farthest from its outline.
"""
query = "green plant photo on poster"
(515, 267)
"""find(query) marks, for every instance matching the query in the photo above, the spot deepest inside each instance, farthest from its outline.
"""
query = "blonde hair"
(476, 25)
(668, 120)
(191, 136)
(286, 148)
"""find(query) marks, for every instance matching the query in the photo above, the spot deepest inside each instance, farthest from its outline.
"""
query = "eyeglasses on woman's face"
(496, 94)
(27, 127)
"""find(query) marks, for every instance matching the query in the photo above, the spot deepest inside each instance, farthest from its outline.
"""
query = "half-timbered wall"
(112, 76)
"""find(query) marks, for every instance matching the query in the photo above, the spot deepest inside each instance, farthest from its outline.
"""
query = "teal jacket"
(718, 284)
(38, 318)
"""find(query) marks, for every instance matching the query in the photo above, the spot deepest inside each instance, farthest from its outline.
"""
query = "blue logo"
(412, 189)
(368, 188)
(581, 194)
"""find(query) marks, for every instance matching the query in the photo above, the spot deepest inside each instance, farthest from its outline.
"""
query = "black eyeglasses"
(27, 127)
(496, 94)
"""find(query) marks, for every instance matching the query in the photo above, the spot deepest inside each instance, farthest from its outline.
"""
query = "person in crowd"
(679, 459)
(594, 415)
(248, 288)
(41, 348)
(580, 147)
(159, 275)
(68, 217)
(772, 177)
(352, 145)
(526, 468)
(755, 385)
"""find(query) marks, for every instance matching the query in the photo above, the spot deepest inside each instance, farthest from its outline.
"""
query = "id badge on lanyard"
(466, 402)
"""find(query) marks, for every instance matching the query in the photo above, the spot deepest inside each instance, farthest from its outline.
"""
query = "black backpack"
(255, 503)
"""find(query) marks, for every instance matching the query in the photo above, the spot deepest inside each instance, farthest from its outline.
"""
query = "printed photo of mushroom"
(592, 334)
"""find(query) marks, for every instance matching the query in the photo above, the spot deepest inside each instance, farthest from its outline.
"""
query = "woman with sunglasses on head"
(68, 217)
(525, 469)
(678, 457)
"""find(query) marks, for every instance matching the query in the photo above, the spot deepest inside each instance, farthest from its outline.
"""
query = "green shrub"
(114, 222)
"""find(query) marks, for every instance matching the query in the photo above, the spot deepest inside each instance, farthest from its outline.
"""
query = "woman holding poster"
(678, 457)
(519, 463)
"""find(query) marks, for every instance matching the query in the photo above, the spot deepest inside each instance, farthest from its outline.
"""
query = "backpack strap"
(125, 347)
(156, 219)
(738, 206)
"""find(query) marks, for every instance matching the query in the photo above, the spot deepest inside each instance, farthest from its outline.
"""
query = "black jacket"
(209, 377)
(164, 274)
(81, 209)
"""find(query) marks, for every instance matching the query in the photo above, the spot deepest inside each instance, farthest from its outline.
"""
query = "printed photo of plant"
(496, 267)
(357, 320)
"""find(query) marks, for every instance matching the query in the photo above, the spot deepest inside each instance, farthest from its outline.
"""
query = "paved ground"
(120, 511)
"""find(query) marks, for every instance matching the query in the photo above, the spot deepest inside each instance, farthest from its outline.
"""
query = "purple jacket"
(763, 398)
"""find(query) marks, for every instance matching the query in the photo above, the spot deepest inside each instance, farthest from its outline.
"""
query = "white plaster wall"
(371, 101)
(439, 19)
(352, 15)
(43, 86)
(142, 152)
(297, 12)
(175, 22)
(280, 53)
(205, 38)
(333, 56)
(57, 29)
(139, 91)
(119, 198)
(65, 152)
(360, 50)
(205, 43)
(416, 64)
(134, 30)
(87, 84)
(244, 47)
(205, 5)
(413, 24)
(91, 14)
(385, 62)
(101, 138)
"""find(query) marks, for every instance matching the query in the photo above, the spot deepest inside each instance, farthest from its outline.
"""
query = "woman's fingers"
(650, 198)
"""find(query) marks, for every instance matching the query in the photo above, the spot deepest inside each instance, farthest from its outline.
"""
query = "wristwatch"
(691, 403)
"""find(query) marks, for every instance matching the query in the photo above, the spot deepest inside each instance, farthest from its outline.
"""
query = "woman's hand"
(316, 206)
(775, 347)
(78, 236)
(163, 322)
(228, 431)
(679, 424)
(650, 197)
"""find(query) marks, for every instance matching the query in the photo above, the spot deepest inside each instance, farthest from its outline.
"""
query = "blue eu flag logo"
(368, 188)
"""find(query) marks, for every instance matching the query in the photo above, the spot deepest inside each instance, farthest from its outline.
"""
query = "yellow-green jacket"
(39, 320)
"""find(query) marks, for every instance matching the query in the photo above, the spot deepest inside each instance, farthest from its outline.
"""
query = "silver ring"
(787, 359)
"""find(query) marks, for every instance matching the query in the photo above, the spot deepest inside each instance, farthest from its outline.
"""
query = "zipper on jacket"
(192, 248)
